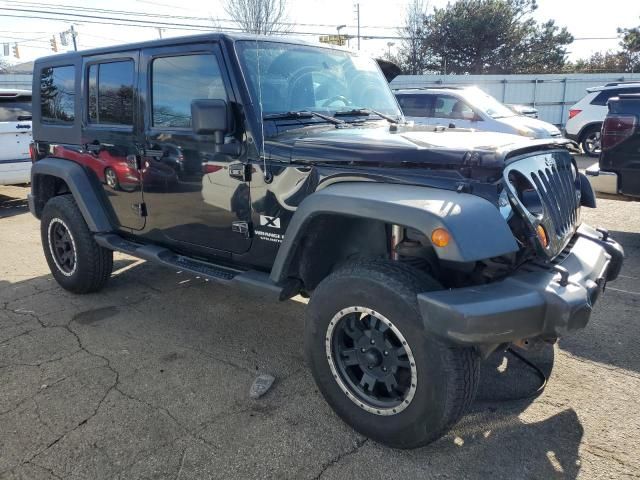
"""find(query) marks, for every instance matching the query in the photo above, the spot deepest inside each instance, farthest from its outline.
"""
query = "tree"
(601, 62)
(494, 36)
(630, 43)
(4, 66)
(265, 17)
(413, 57)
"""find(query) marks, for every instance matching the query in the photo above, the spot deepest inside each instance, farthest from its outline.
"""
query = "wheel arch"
(586, 128)
(56, 176)
(351, 218)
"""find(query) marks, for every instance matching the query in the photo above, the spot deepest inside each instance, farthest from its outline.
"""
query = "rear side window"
(176, 81)
(110, 98)
(57, 94)
(605, 95)
(416, 105)
(15, 109)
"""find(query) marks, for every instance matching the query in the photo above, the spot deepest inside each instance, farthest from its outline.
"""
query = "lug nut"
(373, 342)
(386, 353)
(384, 369)
(362, 350)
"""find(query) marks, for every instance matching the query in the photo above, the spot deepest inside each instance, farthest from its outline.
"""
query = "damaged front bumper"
(532, 304)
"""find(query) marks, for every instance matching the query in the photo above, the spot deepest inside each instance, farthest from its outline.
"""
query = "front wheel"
(374, 362)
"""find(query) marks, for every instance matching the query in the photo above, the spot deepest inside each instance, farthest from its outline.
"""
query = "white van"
(15, 136)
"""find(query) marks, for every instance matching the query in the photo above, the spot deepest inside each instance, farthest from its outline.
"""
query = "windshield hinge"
(240, 171)
(241, 228)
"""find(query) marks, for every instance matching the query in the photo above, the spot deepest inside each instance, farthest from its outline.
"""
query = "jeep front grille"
(545, 191)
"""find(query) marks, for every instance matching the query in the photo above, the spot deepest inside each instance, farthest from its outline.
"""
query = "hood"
(380, 146)
(539, 128)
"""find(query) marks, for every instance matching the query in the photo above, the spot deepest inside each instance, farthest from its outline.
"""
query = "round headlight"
(505, 205)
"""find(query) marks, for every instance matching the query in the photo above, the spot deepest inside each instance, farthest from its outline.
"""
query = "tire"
(111, 178)
(590, 141)
(440, 388)
(76, 261)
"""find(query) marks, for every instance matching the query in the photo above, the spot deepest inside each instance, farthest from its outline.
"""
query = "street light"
(390, 44)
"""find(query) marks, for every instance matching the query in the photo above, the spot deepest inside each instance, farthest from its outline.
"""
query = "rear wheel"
(76, 261)
(374, 362)
(591, 142)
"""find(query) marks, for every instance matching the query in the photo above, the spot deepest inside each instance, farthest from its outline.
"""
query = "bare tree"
(265, 17)
(414, 58)
(4, 66)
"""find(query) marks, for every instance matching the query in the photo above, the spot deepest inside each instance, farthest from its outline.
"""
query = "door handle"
(153, 153)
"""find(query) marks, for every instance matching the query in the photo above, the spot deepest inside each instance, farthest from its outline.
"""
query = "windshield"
(487, 103)
(14, 109)
(291, 78)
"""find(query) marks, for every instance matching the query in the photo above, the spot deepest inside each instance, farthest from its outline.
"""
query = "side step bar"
(252, 279)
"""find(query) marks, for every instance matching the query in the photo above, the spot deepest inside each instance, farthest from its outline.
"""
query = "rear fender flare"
(89, 198)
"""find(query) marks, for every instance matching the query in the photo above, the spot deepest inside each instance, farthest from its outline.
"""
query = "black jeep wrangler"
(287, 166)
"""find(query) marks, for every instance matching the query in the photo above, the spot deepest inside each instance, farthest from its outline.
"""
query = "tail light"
(573, 112)
(616, 129)
(33, 152)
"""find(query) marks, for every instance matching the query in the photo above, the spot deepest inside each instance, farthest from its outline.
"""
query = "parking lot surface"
(150, 378)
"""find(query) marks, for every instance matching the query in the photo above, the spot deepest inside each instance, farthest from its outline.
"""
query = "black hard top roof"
(166, 42)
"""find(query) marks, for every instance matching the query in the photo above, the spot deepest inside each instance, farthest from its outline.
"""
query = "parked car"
(422, 251)
(468, 107)
(15, 136)
(586, 116)
(618, 170)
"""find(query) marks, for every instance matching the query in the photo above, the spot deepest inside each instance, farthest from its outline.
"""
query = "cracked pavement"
(150, 378)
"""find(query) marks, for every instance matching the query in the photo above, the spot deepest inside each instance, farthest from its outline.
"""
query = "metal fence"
(552, 95)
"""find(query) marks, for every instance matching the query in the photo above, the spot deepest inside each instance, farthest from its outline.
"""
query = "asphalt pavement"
(150, 379)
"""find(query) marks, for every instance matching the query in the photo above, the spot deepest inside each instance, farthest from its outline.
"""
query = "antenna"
(266, 175)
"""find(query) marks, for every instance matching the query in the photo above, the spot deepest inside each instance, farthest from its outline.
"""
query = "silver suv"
(468, 107)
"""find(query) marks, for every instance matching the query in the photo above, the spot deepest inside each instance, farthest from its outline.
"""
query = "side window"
(416, 105)
(176, 81)
(57, 94)
(603, 97)
(110, 96)
(446, 107)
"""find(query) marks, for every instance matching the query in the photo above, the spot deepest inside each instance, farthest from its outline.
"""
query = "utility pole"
(73, 37)
(358, 20)
(160, 31)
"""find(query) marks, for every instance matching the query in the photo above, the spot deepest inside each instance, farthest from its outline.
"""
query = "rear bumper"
(602, 181)
(529, 304)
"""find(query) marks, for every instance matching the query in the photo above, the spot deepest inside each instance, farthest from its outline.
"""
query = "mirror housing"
(210, 117)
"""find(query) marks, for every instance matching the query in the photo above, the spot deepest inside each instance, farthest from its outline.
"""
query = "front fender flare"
(85, 194)
(477, 228)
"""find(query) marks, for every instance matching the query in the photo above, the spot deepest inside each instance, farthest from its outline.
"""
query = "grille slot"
(551, 176)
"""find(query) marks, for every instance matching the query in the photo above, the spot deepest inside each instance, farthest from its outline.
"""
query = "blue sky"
(584, 18)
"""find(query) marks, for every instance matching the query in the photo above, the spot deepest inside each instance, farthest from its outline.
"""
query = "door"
(194, 195)
(109, 133)
(15, 136)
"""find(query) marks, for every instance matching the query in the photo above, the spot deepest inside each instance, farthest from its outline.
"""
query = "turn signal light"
(542, 235)
(440, 237)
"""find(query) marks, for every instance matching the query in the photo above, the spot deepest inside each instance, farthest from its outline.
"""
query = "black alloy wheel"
(63, 248)
(371, 361)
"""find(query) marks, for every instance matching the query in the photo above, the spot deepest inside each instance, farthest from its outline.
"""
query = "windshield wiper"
(303, 114)
(366, 111)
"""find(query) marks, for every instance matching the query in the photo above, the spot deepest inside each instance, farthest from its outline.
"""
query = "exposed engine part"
(397, 235)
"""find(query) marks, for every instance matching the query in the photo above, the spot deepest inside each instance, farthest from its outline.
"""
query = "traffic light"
(16, 52)
(54, 44)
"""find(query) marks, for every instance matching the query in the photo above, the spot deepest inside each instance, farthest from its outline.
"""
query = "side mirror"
(210, 117)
